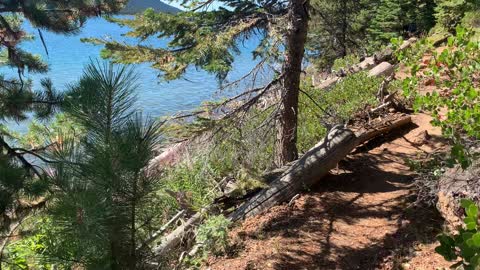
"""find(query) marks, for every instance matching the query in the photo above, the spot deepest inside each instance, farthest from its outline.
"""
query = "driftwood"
(314, 165)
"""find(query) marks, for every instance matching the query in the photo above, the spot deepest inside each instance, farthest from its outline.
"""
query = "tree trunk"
(313, 165)
(286, 149)
(343, 34)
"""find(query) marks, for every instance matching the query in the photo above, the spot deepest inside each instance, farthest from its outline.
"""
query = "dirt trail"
(359, 217)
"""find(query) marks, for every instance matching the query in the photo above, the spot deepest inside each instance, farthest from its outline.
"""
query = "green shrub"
(321, 108)
(466, 244)
(456, 111)
(39, 249)
(345, 62)
(212, 235)
(449, 13)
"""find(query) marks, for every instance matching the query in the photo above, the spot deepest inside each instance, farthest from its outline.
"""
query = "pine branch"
(11, 152)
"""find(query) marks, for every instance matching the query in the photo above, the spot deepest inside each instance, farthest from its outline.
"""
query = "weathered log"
(383, 128)
(158, 233)
(174, 239)
(303, 173)
(328, 83)
(365, 64)
(169, 156)
(455, 184)
(339, 142)
(313, 165)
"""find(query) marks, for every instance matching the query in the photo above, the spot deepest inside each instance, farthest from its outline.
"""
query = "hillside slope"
(359, 217)
(137, 6)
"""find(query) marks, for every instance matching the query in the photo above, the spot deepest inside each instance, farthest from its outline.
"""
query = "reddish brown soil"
(362, 216)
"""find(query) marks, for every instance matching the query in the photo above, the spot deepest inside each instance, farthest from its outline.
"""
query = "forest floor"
(362, 216)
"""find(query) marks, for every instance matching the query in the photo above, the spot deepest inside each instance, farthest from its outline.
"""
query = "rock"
(407, 43)
(367, 63)
(382, 69)
(405, 266)
(453, 186)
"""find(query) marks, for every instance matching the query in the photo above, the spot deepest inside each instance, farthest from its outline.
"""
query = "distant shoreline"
(138, 6)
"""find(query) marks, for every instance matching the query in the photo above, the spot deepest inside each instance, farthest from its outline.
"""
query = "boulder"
(367, 63)
(382, 69)
(454, 185)
(407, 43)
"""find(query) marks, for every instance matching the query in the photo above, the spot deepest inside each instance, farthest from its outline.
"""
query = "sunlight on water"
(68, 55)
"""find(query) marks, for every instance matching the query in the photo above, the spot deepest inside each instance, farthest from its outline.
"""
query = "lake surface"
(68, 55)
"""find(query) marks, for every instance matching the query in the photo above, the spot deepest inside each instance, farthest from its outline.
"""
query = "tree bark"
(286, 149)
(313, 165)
(343, 34)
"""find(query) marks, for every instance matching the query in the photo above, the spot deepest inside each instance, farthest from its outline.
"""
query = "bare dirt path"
(360, 217)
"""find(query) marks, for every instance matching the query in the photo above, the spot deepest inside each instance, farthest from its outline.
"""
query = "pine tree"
(17, 98)
(387, 22)
(208, 39)
(337, 29)
(449, 13)
(102, 181)
(394, 18)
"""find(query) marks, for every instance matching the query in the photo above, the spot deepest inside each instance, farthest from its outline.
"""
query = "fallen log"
(313, 165)
(158, 233)
(382, 69)
(302, 174)
(174, 239)
(369, 133)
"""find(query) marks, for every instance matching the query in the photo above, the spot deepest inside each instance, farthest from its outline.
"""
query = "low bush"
(321, 109)
(456, 107)
(463, 247)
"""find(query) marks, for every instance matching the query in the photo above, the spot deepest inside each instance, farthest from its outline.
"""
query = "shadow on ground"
(362, 216)
(359, 218)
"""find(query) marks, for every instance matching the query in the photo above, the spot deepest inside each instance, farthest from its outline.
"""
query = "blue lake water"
(68, 55)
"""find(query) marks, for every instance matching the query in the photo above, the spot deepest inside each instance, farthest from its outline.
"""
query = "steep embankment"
(137, 6)
(362, 216)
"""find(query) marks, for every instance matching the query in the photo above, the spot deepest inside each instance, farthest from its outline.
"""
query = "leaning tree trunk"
(286, 149)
